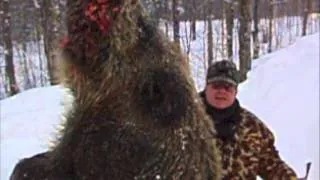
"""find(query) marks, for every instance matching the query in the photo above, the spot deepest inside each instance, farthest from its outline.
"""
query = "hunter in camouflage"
(245, 143)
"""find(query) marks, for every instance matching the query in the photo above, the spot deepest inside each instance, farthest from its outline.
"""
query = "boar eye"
(163, 95)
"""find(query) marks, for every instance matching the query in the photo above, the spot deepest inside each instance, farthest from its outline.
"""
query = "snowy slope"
(28, 122)
(282, 89)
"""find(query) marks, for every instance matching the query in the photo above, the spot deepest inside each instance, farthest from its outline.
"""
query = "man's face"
(220, 94)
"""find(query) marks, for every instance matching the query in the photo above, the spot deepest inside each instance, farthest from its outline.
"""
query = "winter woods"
(136, 113)
(32, 30)
(153, 95)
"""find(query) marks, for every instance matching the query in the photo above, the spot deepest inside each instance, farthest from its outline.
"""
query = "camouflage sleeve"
(271, 166)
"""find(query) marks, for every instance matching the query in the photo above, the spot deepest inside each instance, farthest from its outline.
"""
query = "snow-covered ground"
(282, 89)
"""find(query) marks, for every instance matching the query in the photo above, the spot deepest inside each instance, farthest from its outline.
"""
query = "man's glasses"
(222, 85)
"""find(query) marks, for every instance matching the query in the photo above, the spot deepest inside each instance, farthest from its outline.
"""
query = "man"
(245, 143)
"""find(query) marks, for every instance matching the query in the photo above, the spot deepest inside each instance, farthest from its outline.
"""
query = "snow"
(282, 90)
(28, 122)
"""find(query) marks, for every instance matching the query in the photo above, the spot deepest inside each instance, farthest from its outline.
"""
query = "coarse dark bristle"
(136, 113)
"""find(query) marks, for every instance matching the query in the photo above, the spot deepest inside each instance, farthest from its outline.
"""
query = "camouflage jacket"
(252, 152)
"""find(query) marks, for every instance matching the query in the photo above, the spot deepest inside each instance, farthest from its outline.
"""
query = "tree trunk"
(229, 11)
(306, 11)
(176, 26)
(23, 57)
(244, 38)
(14, 89)
(49, 38)
(270, 34)
(297, 20)
(209, 36)
(39, 48)
(166, 9)
(193, 21)
(255, 37)
(193, 30)
(210, 41)
(223, 33)
(27, 80)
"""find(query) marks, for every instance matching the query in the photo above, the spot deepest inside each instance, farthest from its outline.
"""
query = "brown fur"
(136, 113)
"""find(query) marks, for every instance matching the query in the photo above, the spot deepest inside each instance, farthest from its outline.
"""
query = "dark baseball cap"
(223, 71)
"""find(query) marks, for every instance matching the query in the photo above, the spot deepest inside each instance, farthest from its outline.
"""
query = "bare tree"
(222, 30)
(22, 48)
(8, 48)
(51, 34)
(175, 19)
(244, 38)
(210, 33)
(39, 49)
(186, 40)
(306, 11)
(166, 11)
(271, 17)
(289, 21)
(193, 21)
(297, 11)
(26, 69)
(193, 30)
(255, 37)
(229, 13)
